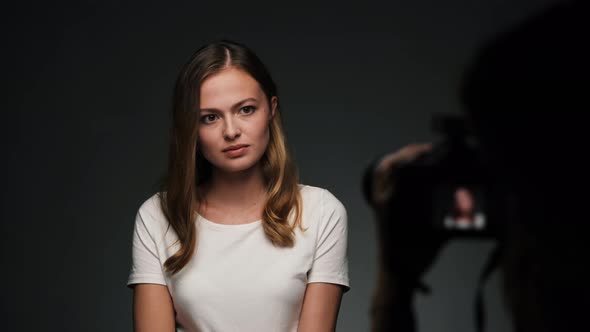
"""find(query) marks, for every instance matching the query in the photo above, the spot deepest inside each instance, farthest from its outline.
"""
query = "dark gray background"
(87, 87)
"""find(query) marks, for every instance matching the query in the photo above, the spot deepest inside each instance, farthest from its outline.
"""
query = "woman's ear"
(274, 102)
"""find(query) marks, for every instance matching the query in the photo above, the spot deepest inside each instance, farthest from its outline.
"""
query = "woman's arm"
(321, 303)
(152, 308)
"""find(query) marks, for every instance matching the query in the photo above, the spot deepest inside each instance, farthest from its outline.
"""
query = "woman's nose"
(231, 129)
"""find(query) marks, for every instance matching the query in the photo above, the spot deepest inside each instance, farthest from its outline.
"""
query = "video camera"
(451, 189)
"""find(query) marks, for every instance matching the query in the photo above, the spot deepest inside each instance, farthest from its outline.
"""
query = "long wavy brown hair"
(179, 189)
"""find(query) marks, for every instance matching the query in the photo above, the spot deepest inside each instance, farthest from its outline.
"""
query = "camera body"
(451, 190)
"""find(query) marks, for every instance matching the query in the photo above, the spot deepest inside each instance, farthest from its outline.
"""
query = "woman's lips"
(236, 151)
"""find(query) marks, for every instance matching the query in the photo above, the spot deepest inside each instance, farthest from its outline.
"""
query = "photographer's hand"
(383, 176)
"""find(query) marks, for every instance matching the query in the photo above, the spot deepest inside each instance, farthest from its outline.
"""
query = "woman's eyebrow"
(236, 105)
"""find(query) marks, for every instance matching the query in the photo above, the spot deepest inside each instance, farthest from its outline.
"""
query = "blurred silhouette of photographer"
(525, 95)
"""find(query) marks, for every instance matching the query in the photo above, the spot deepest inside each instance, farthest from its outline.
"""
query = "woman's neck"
(239, 189)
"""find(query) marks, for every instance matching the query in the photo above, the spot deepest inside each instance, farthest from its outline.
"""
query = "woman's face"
(234, 120)
(463, 200)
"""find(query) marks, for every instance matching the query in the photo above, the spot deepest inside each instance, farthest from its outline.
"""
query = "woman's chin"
(236, 167)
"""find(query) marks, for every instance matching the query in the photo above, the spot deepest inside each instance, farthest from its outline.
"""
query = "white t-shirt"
(237, 280)
(477, 223)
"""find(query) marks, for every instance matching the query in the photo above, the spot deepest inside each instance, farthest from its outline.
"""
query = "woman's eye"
(247, 109)
(208, 118)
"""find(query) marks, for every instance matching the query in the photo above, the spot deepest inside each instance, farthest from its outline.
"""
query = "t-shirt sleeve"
(145, 262)
(330, 263)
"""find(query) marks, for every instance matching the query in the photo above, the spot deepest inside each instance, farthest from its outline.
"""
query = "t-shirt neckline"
(228, 226)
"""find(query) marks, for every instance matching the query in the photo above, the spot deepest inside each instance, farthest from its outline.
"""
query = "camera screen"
(459, 207)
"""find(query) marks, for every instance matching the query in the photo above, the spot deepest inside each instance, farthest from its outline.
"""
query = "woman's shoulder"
(151, 204)
(150, 212)
(319, 196)
(323, 210)
(309, 192)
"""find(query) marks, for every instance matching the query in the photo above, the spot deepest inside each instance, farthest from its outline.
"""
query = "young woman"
(232, 241)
